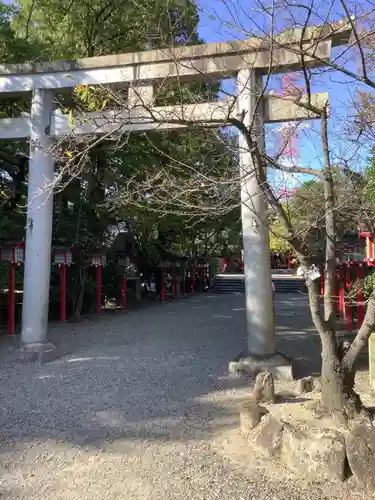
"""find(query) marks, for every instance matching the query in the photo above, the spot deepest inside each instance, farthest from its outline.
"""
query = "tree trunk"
(83, 273)
(338, 396)
(332, 377)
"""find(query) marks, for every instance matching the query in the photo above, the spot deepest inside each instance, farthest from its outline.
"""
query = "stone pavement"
(141, 406)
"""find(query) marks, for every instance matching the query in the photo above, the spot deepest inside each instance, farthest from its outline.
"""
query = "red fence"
(349, 296)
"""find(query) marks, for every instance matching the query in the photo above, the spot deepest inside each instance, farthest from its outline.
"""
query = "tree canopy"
(85, 204)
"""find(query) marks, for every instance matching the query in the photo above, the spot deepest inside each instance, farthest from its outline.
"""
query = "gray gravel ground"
(142, 407)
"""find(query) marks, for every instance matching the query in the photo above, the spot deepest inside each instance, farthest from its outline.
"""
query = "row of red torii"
(246, 60)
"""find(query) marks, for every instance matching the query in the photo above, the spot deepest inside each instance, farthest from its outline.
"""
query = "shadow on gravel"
(160, 374)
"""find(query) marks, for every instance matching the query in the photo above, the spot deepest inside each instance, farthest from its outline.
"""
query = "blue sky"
(223, 21)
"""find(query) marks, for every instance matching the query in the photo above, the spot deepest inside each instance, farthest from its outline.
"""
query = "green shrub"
(369, 284)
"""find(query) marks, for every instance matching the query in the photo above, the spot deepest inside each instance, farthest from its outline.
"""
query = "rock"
(318, 453)
(317, 384)
(363, 418)
(308, 384)
(360, 450)
(267, 436)
(250, 416)
(321, 453)
(305, 385)
(264, 388)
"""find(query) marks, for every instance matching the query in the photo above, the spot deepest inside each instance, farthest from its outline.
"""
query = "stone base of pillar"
(277, 364)
(38, 352)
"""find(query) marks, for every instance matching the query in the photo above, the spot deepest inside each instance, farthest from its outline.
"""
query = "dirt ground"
(141, 406)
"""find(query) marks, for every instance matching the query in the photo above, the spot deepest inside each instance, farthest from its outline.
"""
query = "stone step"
(236, 284)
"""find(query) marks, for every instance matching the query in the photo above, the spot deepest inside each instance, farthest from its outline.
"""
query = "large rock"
(321, 454)
(305, 385)
(264, 388)
(317, 384)
(250, 416)
(308, 384)
(267, 436)
(360, 450)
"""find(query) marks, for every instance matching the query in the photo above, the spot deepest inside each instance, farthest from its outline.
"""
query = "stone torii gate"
(248, 60)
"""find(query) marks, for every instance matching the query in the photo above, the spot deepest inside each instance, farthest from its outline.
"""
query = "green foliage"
(307, 212)
(14, 48)
(4, 276)
(70, 30)
(369, 285)
(95, 99)
(107, 189)
(278, 241)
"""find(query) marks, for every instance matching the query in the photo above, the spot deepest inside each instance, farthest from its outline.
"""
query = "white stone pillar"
(38, 223)
(257, 263)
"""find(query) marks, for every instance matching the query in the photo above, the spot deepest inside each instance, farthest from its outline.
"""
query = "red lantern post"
(122, 261)
(341, 285)
(63, 258)
(62, 293)
(12, 300)
(360, 295)
(335, 301)
(348, 305)
(178, 279)
(98, 259)
(15, 255)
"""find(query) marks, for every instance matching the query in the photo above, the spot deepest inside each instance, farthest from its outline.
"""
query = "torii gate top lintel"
(185, 62)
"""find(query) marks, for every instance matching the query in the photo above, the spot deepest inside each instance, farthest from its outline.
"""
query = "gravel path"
(143, 408)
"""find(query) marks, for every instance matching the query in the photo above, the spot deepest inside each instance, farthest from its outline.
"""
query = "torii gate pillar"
(38, 234)
(257, 264)
(260, 320)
